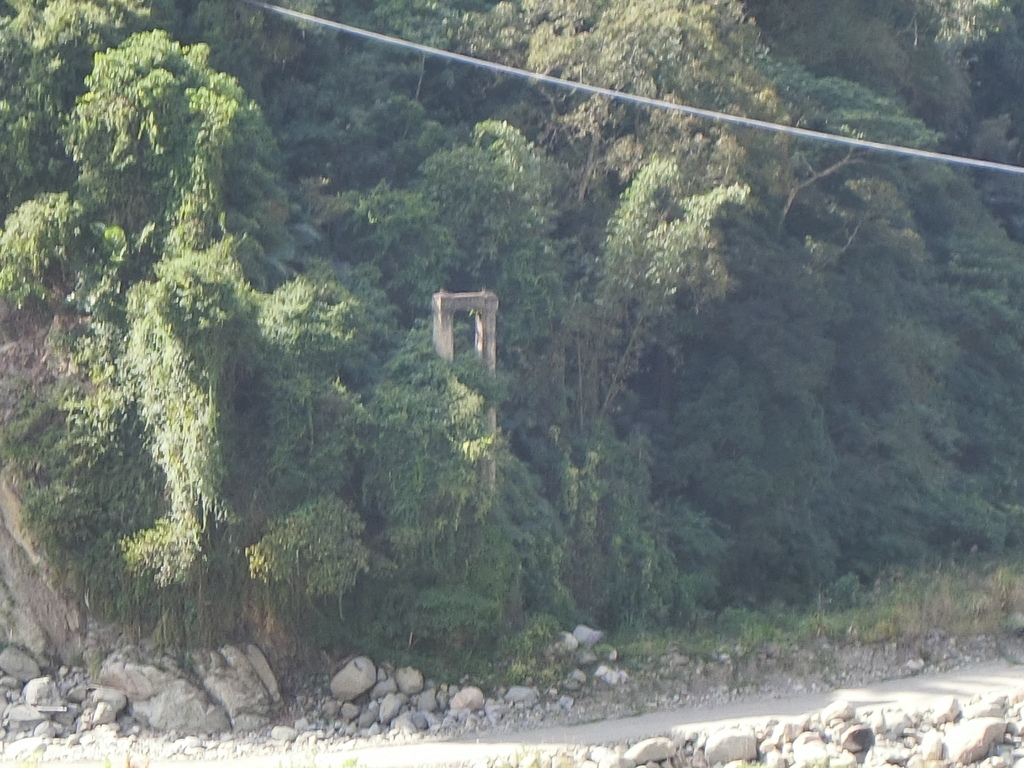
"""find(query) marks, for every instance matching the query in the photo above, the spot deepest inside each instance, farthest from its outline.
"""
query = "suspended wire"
(708, 114)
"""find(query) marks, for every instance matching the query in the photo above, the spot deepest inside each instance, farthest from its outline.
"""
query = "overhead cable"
(708, 114)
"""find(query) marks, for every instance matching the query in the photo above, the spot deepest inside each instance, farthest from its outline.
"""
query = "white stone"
(945, 710)
(409, 680)
(730, 744)
(972, 740)
(110, 696)
(469, 699)
(17, 663)
(283, 733)
(523, 695)
(41, 691)
(932, 747)
(383, 687)
(587, 636)
(809, 749)
(233, 683)
(355, 678)
(988, 707)
(390, 706)
(266, 674)
(840, 709)
(24, 748)
(650, 750)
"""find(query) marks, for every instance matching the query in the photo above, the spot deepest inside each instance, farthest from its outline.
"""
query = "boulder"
(182, 707)
(103, 714)
(390, 706)
(41, 691)
(838, 710)
(469, 699)
(522, 695)
(283, 733)
(809, 749)
(262, 668)
(932, 747)
(409, 681)
(587, 636)
(857, 738)
(232, 681)
(355, 678)
(109, 696)
(135, 680)
(22, 717)
(945, 710)
(731, 744)
(650, 751)
(972, 740)
(383, 687)
(16, 663)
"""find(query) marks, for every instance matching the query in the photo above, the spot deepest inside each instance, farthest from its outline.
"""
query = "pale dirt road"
(912, 692)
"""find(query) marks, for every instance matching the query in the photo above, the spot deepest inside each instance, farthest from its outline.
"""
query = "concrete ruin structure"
(484, 306)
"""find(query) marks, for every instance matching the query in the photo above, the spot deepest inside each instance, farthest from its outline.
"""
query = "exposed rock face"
(18, 664)
(32, 613)
(162, 699)
(234, 682)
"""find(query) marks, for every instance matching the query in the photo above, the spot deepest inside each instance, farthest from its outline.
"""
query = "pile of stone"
(985, 732)
(229, 689)
(231, 696)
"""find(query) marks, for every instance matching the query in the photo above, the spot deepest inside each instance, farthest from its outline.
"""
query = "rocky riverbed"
(227, 705)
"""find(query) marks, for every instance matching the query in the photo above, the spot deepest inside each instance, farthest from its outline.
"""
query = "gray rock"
(22, 717)
(651, 751)
(46, 730)
(104, 714)
(406, 723)
(838, 710)
(41, 691)
(283, 733)
(857, 738)
(349, 711)
(409, 681)
(610, 675)
(383, 687)
(988, 707)
(234, 684)
(355, 678)
(369, 715)
(897, 723)
(522, 695)
(181, 707)
(106, 695)
(731, 744)
(426, 701)
(809, 749)
(16, 663)
(945, 710)
(469, 699)
(587, 636)
(566, 644)
(390, 706)
(972, 740)
(262, 668)
(932, 747)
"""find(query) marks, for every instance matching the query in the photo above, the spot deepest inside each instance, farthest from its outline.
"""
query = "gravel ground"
(659, 694)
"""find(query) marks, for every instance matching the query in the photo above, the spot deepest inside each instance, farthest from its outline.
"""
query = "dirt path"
(913, 692)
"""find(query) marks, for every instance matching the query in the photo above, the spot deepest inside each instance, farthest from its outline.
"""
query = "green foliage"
(36, 247)
(732, 367)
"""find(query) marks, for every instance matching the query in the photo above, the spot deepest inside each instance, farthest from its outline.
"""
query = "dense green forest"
(734, 367)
